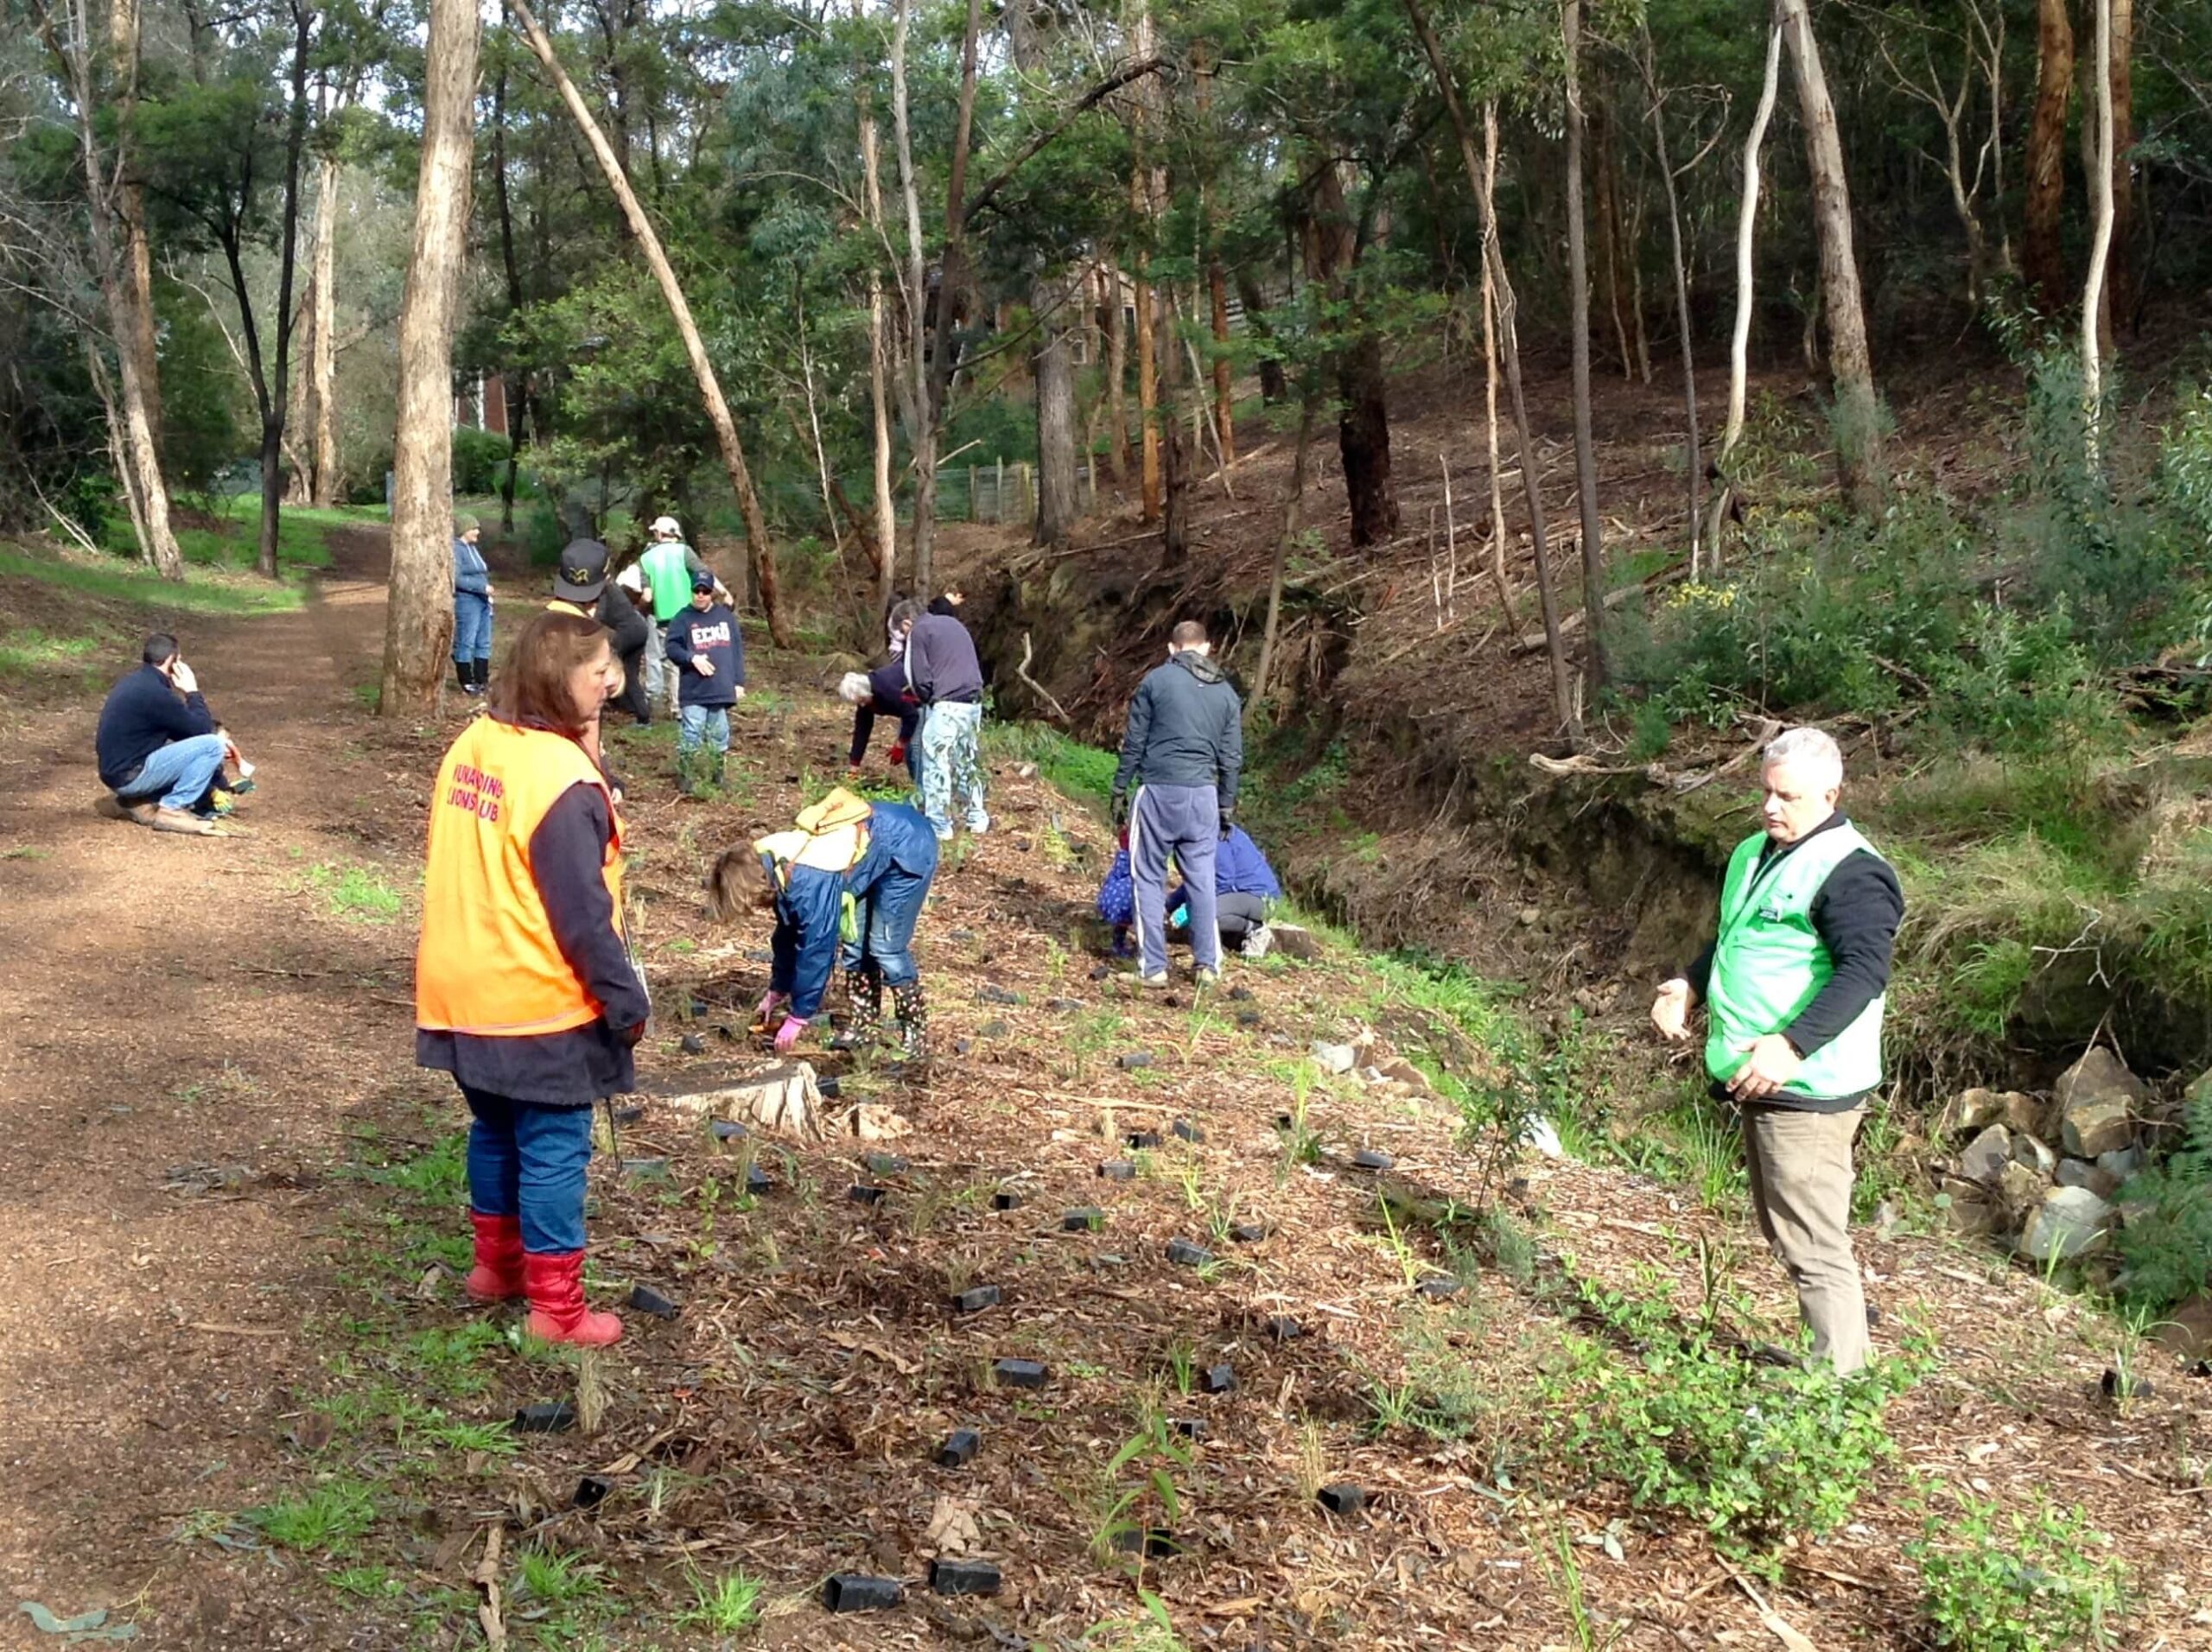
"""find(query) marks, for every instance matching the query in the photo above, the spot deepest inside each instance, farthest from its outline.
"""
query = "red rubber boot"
(497, 1276)
(558, 1312)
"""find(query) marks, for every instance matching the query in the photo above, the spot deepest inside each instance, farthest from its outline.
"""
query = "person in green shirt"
(665, 572)
(1793, 985)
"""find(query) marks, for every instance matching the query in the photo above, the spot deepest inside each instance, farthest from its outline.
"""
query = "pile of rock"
(2047, 1171)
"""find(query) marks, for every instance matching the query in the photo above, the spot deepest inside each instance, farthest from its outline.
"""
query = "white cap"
(666, 524)
(855, 689)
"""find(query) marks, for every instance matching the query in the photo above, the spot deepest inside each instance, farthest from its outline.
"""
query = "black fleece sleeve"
(1134, 735)
(568, 853)
(1699, 973)
(1856, 915)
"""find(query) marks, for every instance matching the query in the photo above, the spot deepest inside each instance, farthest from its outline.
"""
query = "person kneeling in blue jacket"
(846, 887)
(1244, 884)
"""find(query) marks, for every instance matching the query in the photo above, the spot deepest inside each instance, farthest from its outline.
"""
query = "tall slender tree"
(1577, 281)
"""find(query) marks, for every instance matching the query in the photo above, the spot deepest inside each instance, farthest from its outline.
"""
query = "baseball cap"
(666, 524)
(703, 580)
(583, 571)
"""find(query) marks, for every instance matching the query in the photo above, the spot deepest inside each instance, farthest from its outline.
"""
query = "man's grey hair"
(1812, 751)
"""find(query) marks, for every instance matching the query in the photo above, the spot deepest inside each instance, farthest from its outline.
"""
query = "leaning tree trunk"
(1740, 341)
(124, 37)
(1578, 282)
(763, 557)
(1363, 387)
(922, 421)
(275, 387)
(1487, 189)
(1858, 413)
(1509, 345)
(2101, 197)
(2042, 263)
(418, 614)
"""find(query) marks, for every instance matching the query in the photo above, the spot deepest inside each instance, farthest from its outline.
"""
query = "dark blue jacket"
(1185, 728)
(709, 633)
(941, 665)
(143, 713)
(1239, 868)
(809, 911)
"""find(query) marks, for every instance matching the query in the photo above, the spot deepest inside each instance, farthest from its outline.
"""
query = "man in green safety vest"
(665, 569)
(1792, 984)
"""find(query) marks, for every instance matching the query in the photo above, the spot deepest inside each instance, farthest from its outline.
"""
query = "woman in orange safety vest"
(524, 990)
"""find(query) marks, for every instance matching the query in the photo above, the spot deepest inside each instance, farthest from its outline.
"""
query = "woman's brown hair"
(532, 687)
(739, 884)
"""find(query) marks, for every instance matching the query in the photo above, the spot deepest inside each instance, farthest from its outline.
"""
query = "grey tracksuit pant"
(1184, 822)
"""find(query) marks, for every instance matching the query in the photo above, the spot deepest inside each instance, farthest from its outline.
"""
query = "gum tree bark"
(418, 614)
(2041, 262)
(1577, 281)
(1740, 341)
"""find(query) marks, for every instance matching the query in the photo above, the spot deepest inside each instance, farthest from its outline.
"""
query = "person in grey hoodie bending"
(946, 679)
(1186, 742)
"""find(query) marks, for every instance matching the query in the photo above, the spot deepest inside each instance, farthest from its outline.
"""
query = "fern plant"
(2167, 1247)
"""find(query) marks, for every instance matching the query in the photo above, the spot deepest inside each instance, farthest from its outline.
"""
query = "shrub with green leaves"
(1753, 1453)
(2167, 1248)
(2020, 1580)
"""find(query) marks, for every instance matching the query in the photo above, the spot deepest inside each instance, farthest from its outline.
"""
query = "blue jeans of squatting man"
(888, 914)
(527, 1160)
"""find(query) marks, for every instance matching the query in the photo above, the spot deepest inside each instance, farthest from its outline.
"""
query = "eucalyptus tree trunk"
(418, 611)
(1578, 279)
(1740, 341)
(2042, 263)
(1857, 414)
(2101, 197)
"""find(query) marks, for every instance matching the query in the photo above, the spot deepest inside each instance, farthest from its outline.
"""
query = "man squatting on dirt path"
(523, 987)
(1793, 987)
(846, 887)
(160, 750)
(1185, 741)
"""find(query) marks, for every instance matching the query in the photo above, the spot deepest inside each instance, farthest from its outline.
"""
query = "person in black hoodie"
(705, 647)
(583, 588)
(160, 752)
(1185, 741)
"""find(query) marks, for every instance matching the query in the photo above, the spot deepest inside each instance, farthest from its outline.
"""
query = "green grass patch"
(136, 582)
(29, 650)
(303, 535)
(1084, 774)
(723, 1605)
(323, 1520)
(357, 893)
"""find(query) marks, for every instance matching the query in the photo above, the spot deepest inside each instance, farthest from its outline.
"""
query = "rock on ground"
(2070, 1221)
(2097, 1101)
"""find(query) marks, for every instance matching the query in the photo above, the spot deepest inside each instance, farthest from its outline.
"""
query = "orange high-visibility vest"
(488, 964)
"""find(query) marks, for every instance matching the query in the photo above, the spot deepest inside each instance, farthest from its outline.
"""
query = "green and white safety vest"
(667, 567)
(1768, 962)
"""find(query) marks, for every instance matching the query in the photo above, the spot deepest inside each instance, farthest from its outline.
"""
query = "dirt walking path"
(188, 1028)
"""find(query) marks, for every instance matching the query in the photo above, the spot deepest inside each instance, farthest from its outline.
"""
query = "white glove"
(181, 674)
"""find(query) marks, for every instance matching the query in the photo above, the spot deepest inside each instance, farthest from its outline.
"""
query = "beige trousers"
(1799, 1165)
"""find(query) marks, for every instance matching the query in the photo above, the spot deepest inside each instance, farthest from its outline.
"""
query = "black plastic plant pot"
(1191, 1428)
(726, 1129)
(1188, 1131)
(692, 1045)
(1132, 1060)
(1118, 1169)
(646, 1299)
(827, 1087)
(2125, 1385)
(1369, 1158)
(1282, 1328)
(1084, 1218)
(1184, 1254)
(860, 1194)
(975, 1299)
(1149, 1541)
(959, 1449)
(1138, 1140)
(963, 1577)
(1006, 1201)
(1284, 1121)
(850, 1591)
(1019, 1373)
(1248, 1233)
(1345, 1499)
(1219, 1379)
(883, 1164)
(592, 1490)
(631, 1114)
(548, 1417)
(1438, 1287)
(699, 1007)
(758, 1180)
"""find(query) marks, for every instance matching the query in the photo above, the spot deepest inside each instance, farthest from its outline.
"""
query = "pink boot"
(497, 1276)
(557, 1310)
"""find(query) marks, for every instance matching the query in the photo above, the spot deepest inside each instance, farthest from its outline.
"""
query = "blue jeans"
(1185, 822)
(952, 762)
(888, 913)
(471, 627)
(179, 773)
(707, 726)
(528, 1160)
